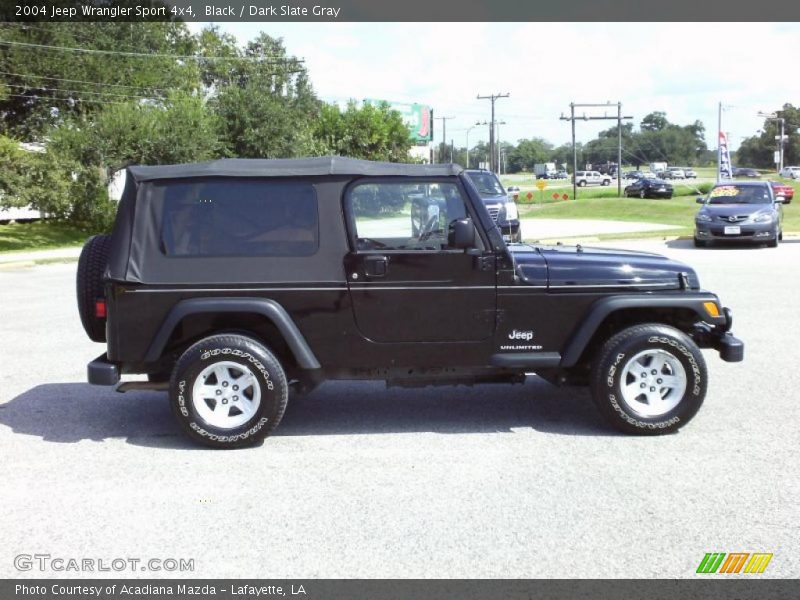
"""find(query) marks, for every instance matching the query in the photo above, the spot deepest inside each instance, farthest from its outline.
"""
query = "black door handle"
(376, 266)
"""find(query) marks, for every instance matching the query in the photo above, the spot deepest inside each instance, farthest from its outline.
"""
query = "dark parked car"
(783, 189)
(232, 282)
(632, 175)
(739, 211)
(501, 207)
(746, 172)
(649, 188)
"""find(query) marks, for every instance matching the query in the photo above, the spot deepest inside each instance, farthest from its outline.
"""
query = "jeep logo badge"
(521, 335)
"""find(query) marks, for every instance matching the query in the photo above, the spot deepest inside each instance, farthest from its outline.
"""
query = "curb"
(21, 264)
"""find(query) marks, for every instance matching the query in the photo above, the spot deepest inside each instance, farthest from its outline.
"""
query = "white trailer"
(544, 170)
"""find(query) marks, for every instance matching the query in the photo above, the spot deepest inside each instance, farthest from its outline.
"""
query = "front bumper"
(720, 338)
(748, 232)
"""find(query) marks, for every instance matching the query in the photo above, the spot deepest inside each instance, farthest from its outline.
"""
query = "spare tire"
(91, 269)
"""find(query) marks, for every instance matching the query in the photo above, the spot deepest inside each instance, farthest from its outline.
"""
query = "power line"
(150, 55)
(80, 92)
(75, 100)
(80, 81)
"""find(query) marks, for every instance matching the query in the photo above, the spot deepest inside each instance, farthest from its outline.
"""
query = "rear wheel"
(90, 285)
(228, 391)
(649, 379)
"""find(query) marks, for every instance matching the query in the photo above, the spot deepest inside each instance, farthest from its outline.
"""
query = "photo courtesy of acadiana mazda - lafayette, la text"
(740, 211)
(232, 282)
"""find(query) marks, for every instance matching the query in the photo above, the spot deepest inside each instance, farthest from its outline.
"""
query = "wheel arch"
(268, 310)
(608, 315)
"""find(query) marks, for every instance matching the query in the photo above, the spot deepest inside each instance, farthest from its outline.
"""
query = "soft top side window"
(396, 215)
(216, 217)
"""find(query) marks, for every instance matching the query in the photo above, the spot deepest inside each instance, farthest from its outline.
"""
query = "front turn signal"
(711, 308)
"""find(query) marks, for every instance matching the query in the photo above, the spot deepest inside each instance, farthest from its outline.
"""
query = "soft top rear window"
(225, 216)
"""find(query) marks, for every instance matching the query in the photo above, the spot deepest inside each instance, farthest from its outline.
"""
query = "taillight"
(100, 308)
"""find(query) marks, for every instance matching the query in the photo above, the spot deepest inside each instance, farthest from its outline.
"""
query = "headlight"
(511, 211)
(763, 218)
(702, 217)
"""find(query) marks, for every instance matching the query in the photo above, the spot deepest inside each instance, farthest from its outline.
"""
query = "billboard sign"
(418, 117)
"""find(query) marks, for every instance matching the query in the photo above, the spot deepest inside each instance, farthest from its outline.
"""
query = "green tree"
(265, 103)
(55, 72)
(527, 153)
(759, 150)
(369, 132)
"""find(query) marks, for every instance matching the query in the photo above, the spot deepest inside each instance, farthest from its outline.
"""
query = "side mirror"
(461, 234)
(700, 200)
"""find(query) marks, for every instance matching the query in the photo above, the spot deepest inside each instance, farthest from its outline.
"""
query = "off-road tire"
(256, 360)
(90, 286)
(620, 351)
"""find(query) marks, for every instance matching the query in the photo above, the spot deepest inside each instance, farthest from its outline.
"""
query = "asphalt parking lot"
(359, 481)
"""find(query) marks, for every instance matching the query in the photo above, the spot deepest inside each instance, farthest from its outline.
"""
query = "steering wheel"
(426, 230)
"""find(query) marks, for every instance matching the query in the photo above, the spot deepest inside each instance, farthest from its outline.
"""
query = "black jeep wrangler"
(230, 282)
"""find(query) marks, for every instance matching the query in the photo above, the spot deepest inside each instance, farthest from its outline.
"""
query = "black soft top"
(136, 255)
(291, 167)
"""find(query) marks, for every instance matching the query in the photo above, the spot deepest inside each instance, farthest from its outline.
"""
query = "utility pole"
(619, 149)
(618, 117)
(452, 149)
(444, 135)
(719, 136)
(492, 150)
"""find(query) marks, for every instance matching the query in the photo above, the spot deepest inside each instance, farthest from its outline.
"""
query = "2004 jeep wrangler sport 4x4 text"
(230, 282)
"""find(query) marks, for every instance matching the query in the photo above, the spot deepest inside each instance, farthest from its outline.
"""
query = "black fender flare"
(598, 311)
(270, 309)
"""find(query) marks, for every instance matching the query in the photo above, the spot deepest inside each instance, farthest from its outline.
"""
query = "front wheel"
(581, 184)
(228, 391)
(649, 379)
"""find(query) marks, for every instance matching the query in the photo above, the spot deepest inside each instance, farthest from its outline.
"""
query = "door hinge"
(485, 263)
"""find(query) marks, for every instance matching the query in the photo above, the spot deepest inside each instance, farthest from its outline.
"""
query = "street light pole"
(774, 117)
(468, 130)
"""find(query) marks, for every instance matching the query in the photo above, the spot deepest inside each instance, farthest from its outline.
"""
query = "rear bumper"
(101, 371)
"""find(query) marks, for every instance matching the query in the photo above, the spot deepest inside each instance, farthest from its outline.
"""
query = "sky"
(682, 69)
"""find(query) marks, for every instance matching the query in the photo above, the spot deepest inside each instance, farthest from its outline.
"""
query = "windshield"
(487, 183)
(739, 194)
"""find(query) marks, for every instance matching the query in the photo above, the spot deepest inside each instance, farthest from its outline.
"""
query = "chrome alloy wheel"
(653, 383)
(226, 394)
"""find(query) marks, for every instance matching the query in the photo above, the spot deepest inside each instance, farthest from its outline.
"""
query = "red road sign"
(565, 197)
(529, 195)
